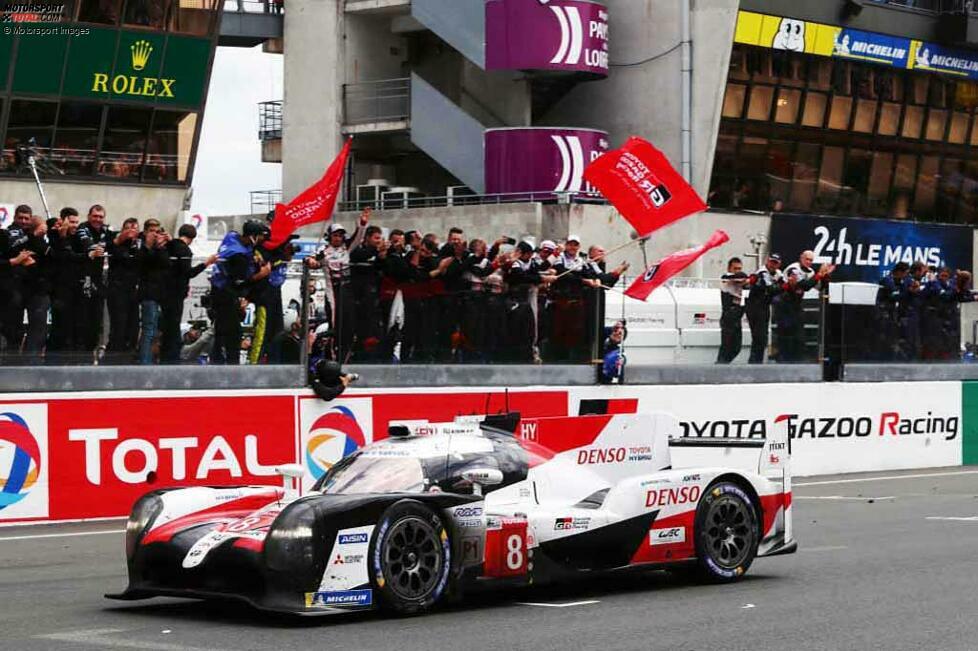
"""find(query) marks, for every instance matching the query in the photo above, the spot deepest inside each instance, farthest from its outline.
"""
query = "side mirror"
(480, 477)
(291, 474)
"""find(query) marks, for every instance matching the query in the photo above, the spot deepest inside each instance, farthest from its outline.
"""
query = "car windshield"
(375, 475)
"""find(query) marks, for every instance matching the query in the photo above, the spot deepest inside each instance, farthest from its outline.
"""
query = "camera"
(510, 240)
(353, 376)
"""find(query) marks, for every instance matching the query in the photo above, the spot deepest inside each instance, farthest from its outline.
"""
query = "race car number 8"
(514, 552)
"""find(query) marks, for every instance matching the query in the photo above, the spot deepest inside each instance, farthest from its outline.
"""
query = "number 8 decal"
(506, 549)
(514, 551)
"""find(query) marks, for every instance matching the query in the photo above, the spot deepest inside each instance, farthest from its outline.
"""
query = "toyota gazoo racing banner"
(867, 249)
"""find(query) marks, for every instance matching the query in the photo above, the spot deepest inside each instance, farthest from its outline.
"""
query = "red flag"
(657, 275)
(639, 181)
(314, 204)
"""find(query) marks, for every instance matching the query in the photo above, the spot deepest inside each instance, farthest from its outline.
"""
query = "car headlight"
(144, 511)
(289, 546)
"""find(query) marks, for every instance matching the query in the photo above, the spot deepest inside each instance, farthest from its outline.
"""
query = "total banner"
(83, 456)
(865, 250)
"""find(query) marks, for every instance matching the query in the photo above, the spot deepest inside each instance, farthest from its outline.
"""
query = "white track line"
(888, 478)
(567, 605)
(827, 548)
(842, 497)
(62, 535)
(953, 519)
(100, 638)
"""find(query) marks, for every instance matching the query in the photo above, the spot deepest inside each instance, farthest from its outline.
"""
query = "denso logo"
(133, 459)
(671, 496)
(601, 455)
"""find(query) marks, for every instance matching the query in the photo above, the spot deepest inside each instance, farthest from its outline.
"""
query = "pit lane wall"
(70, 456)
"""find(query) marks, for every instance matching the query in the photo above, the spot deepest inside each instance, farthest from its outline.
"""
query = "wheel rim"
(729, 532)
(412, 558)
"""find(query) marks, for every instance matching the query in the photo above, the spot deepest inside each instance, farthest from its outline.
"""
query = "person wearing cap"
(234, 274)
(334, 259)
(799, 277)
(765, 285)
(523, 277)
(177, 286)
(569, 310)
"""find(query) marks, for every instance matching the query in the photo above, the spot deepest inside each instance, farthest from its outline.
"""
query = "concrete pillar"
(313, 81)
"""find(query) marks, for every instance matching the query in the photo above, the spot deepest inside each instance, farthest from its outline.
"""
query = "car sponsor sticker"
(339, 598)
(353, 538)
(347, 567)
(667, 536)
(672, 496)
(568, 524)
(202, 547)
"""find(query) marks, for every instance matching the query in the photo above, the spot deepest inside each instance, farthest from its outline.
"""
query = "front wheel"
(726, 533)
(410, 558)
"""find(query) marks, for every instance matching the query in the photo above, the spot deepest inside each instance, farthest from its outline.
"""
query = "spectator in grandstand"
(121, 292)
(234, 275)
(154, 268)
(799, 278)
(731, 311)
(765, 285)
(889, 298)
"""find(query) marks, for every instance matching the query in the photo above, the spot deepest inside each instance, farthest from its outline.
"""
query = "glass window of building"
(194, 16)
(170, 144)
(146, 13)
(124, 143)
(760, 103)
(28, 119)
(805, 178)
(105, 12)
(76, 138)
(789, 101)
(733, 101)
(814, 115)
(841, 111)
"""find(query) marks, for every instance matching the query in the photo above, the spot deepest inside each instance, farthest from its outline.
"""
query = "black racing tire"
(726, 533)
(410, 558)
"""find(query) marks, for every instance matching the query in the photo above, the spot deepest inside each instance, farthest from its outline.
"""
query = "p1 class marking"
(567, 605)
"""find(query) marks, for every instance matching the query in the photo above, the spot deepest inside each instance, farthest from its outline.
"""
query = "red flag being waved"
(639, 181)
(657, 275)
(314, 204)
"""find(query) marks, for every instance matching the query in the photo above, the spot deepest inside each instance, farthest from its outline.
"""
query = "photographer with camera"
(328, 380)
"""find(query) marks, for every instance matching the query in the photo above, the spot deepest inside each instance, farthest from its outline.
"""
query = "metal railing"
(270, 120)
(408, 201)
(264, 200)
(377, 101)
(254, 6)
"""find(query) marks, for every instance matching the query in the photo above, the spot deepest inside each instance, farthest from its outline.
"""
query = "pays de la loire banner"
(93, 455)
(867, 249)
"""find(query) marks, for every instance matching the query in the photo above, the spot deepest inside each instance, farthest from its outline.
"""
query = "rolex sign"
(134, 84)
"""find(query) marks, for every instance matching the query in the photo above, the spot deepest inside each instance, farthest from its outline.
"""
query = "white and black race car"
(420, 516)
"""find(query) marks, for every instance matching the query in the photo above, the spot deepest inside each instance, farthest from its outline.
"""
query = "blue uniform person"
(765, 285)
(941, 322)
(912, 311)
(799, 277)
(889, 296)
(234, 274)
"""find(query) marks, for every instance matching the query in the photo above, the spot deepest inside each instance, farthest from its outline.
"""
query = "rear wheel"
(726, 533)
(410, 558)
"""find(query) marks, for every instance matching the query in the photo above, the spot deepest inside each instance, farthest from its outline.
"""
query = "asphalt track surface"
(875, 571)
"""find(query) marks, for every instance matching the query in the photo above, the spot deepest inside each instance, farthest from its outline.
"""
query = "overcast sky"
(229, 156)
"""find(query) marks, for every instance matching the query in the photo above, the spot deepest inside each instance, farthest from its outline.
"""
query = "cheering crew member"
(476, 317)
(523, 278)
(334, 258)
(421, 302)
(449, 303)
(92, 240)
(17, 256)
(175, 289)
(234, 275)
(765, 285)
(569, 309)
(799, 277)
(941, 322)
(122, 289)
(596, 281)
(154, 268)
(366, 270)
(732, 311)
(397, 275)
(65, 291)
(911, 312)
(889, 297)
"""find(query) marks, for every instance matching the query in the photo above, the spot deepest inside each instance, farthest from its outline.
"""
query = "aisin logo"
(25, 462)
(140, 54)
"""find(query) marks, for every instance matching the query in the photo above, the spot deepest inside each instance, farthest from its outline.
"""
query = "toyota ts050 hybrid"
(424, 514)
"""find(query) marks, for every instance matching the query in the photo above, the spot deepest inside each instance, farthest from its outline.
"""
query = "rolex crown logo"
(140, 54)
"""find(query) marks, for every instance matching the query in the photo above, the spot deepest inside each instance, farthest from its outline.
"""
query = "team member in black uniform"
(91, 240)
(65, 289)
(765, 285)
(522, 278)
(889, 297)
(366, 270)
(732, 311)
(154, 268)
(234, 275)
(20, 256)
(121, 293)
(799, 277)
(182, 270)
